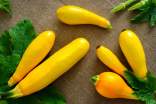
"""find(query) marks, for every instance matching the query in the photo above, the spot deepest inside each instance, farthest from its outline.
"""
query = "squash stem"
(122, 6)
(94, 79)
(14, 93)
(138, 5)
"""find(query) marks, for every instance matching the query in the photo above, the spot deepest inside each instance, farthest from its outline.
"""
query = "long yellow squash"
(134, 52)
(110, 60)
(51, 69)
(34, 54)
(74, 15)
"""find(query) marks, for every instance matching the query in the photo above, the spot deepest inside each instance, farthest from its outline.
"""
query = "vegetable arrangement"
(146, 10)
(12, 46)
(141, 83)
(49, 70)
(22, 50)
(5, 6)
(54, 67)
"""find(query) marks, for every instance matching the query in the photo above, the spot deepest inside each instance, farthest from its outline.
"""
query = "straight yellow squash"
(134, 52)
(33, 55)
(51, 69)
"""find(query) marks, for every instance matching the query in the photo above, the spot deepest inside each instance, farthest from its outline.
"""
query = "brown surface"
(75, 83)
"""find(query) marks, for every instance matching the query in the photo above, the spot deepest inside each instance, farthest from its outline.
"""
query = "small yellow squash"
(110, 59)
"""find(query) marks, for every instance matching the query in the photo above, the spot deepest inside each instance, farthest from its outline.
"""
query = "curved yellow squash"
(33, 55)
(74, 15)
(134, 52)
(52, 68)
(110, 60)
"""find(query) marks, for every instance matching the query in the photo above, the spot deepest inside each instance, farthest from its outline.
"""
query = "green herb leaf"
(151, 82)
(5, 6)
(143, 89)
(50, 95)
(133, 81)
(145, 11)
(3, 102)
(146, 96)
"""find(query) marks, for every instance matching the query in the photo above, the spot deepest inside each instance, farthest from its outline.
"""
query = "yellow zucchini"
(134, 52)
(33, 55)
(51, 69)
(74, 15)
(110, 60)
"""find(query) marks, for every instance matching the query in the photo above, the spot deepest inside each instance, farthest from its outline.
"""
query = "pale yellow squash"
(134, 52)
(74, 15)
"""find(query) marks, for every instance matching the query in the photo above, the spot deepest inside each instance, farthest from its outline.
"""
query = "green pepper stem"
(122, 6)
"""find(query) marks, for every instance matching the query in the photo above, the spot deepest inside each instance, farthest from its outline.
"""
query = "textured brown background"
(75, 84)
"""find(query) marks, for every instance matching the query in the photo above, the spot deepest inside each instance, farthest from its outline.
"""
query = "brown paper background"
(75, 83)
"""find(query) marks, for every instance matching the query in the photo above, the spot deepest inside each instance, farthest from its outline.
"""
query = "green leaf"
(141, 17)
(152, 20)
(146, 13)
(133, 81)
(5, 6)
(5, 44)
(21, 36)
(143, 89)
(151, 81)
(50, 95)
(12, 45)
(7, 66)
(146, 96)
(3, 102)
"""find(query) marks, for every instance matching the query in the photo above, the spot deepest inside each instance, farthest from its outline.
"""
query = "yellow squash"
(111, 85)
(110, 60)
(74, 15)
(134, 52)
(34, 54)
(51, 69)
